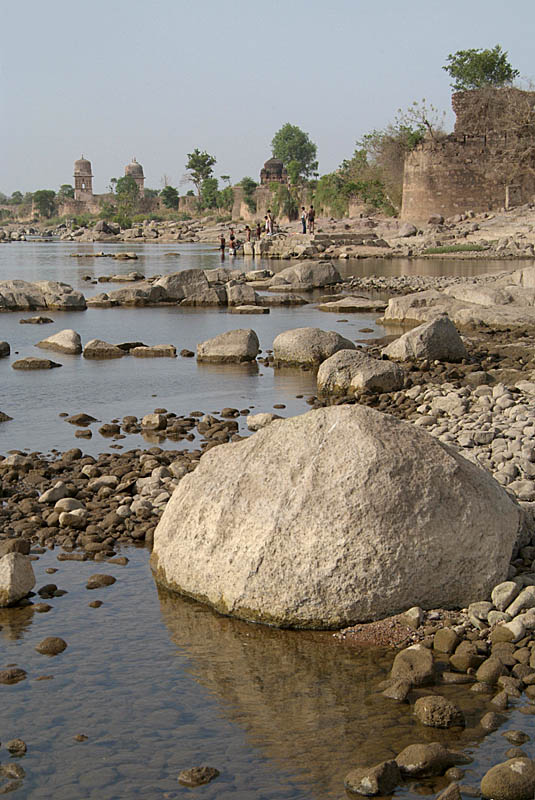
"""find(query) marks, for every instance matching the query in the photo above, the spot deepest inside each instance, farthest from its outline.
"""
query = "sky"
(113, 79)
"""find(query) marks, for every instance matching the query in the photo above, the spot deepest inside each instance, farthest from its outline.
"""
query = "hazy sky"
(114, 79)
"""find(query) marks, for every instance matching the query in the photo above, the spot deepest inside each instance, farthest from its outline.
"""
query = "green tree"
(149, 193)
(169, 197)
(290, 143)
(477, 68)
(209, 196)
(226, 198)
(249, 186)
(294, 171)
(200, 167)
(45, 202)
(226, 178)
(66, 191)
(16, 198)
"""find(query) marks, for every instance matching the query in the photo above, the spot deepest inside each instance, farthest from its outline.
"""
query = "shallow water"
(159, 684)
(114, 388)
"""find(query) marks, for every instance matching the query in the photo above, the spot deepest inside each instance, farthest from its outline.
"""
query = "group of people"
(308, 219)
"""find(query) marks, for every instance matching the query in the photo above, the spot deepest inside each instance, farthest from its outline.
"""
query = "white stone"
(308, 346)
(66, 341)
(437, 340)
(348, 371)
(16, 578)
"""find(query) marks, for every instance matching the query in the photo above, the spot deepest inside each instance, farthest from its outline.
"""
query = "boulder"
(97, 348)
(240, 294)
(179, 285)
(353, 304)
(16, 578)
(414, 666)
(34, 363)
(380, 779)
(422, 760)
(308, 346)
(5, 349)
(308, 275)
(324, 509)
(231, 347)
(348, 371)
(66, 341)
(436, 340)
(142, 294)
(18, 295)
(407, 229)
(154, 351)
(438, 712)
(510, 780)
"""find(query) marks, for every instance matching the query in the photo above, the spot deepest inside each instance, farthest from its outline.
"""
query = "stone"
(66, 341)
(257, 421)
(81, 419)
(17, 747)
(240, 294)
(179, 285)
(96, 348)
(15, 546)
(526, 599)
(16, 578)
(511, 780)
(308, 346)
(197, 776)
(413, 617)
(249, 310)
(36, 321)
(423, 760)
(344, 480)
(12, 675)
(451, 792)
(5, 349)
(19, 295)
(348, 371)
(438, 712)
(353, 304)
(154, 351)
(490, 670)
(380, 779)
(397, 690)
(51, 646)
(232, 347)
(407, 229)
(437, 340)
(154, 422)
(100, 580)
(445, 640)
(55, 493)
(414, 665)
(34, 363)
(491, 721)
(308, 275)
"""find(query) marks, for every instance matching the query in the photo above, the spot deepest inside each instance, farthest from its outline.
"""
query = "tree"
(226, 198)
(249, 186)
(66, 191)
(169, 197)
(149, 193)
(209, 193)
(45, 202)
(477, 68)
(290, 144)
(226, 178)
(200, 168)
(16, 198)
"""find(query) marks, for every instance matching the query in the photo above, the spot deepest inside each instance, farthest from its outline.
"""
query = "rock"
(308, 275)
(34, 363)
(5, 349)
(249, 310)
(179, 285)
(51, 646)
(66, 341)
(504, 593)
(445, 640)
(407, 229)
(197, 776)
(100, 580)
(16, 578)
(413, 665)
(36, 321)
(96, 348)
(57, 492)
(526, 599)
(154, 351)
(257, 421)
(240, 294)
(422, 760)
(345, 480)
(510, 780)
(381, 779)
(491, 721)
(451, 792)
(397, 690)
(154, 422)
(353, 304)
(15, 546)
(307, 346)
(12, 675)
(17, 747)
(18, 295)
(490, 670)
(81, 419)
(348, 371)
(232, 347)
(436, 340)
(437, 712)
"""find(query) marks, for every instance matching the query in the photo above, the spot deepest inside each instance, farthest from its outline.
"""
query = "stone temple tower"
(83, 179)
(136, 171)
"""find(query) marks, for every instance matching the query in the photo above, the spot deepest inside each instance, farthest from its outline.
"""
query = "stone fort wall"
(472, 169)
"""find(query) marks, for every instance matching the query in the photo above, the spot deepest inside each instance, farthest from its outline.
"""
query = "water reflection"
(15, 622)
(297, 693)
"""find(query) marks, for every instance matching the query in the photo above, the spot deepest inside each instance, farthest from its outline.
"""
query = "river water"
(158, 683)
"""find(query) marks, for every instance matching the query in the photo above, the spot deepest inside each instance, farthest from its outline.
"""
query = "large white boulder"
(308, 275)
(18, 295)
(16, 578)
(435, 340)
(230, 347)
(337, 516)
(308, 346)
(66, 341)
(349, 371)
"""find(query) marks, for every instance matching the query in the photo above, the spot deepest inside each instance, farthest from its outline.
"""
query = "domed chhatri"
(83, 179)
(135, 170)
(273, 171)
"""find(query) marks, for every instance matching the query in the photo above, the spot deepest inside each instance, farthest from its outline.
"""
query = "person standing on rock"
(247, 233)
(269, 223)
(222, 245)
(304, 219)
(311, 219)
(258, 230)
(232, 243)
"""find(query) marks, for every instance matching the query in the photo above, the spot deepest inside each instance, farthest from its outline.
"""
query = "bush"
(454, 248)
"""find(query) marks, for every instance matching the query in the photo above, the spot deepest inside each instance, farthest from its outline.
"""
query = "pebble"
(51, 646)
